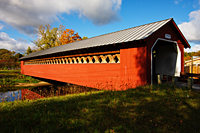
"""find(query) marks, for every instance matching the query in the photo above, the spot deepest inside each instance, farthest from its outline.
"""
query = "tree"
(48, 37)
(28, 51)
(85, 37)
(188, 56)
(6, 54)
(18, 55)
(197, 53)
(69, 36)
(9, 59)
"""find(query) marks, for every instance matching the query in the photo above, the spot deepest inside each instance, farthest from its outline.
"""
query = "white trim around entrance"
(178, 63)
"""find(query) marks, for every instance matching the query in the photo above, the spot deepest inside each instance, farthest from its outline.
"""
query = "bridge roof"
(127, 35)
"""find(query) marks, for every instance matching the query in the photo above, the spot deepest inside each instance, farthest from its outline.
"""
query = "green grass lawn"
(144, 109)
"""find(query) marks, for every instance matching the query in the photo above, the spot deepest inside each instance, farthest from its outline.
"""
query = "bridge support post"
(190, 82)
(174, 80)
(159, 77)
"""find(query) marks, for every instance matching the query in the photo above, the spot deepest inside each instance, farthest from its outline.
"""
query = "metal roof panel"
(127, 35)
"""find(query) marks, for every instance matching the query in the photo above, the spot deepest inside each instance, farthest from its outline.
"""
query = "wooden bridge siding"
(133, 67)
(130, 73)
(82, 74)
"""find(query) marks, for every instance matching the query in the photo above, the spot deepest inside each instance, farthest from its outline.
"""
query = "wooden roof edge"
(185, 40)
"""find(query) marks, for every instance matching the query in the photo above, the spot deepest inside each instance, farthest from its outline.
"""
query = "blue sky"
(19, 18)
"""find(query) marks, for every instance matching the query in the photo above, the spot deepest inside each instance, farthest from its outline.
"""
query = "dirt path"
(32, 84)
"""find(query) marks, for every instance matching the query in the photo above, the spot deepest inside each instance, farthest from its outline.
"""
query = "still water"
(43, 91)
(10, 95)
(18, 95)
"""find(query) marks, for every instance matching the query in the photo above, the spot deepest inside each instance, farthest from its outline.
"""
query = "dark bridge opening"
(166, 60)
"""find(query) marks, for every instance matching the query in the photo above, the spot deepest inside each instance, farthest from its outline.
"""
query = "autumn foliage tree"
(50, 37)
(188, 56)
(85, 37)
(69, 36)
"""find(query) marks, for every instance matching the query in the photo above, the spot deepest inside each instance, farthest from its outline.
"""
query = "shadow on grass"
(144, 109)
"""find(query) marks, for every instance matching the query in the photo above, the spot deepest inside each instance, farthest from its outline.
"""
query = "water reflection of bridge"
(19, 95)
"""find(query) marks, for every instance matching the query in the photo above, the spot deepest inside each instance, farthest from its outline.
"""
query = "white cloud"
(1, 26)
(177, 1)
(11, 44)
(191, 29)
(26, 14)
(194, 48)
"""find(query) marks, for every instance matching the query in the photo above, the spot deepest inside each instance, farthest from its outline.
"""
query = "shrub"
(5, 68)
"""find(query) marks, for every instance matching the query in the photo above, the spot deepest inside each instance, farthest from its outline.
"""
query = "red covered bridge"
(117, 61)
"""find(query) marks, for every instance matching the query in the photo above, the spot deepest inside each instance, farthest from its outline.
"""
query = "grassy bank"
(9, 78)
(144, 109)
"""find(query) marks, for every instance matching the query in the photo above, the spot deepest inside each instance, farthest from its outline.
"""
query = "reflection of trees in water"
(57, 90)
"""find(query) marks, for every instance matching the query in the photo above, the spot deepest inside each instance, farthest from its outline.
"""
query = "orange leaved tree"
(69, 36)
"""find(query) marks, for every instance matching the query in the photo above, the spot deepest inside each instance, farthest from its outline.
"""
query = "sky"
(19, 18)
